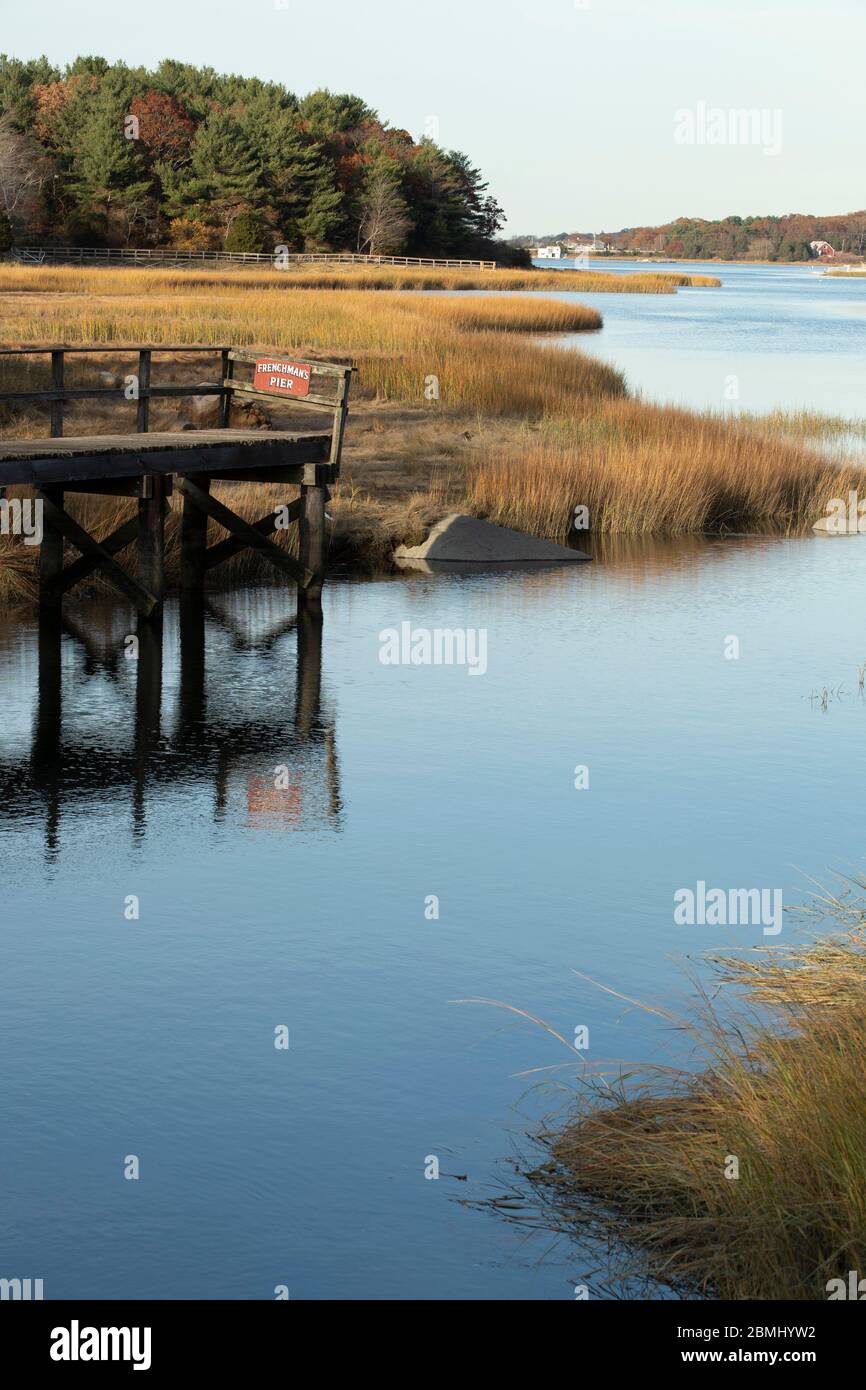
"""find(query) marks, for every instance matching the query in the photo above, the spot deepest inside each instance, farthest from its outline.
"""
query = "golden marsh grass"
(647, 1162)
(95, 280)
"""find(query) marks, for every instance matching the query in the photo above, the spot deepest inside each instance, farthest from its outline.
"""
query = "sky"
(585, 115)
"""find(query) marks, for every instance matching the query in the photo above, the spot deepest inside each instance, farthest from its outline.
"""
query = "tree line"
(784, 238)
(101, 154)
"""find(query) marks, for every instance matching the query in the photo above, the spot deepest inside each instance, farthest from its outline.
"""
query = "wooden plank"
(225, 550)
(326, 368)
(42, 461)
(114, 349)
(294, 475)
(318, 402)
(119, 487)
(244, 531)
(86, 564)
(57, 383)
(144, 601)
(87, 393)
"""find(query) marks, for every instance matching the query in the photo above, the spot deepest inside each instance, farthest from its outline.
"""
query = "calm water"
(304, 907)
(789, 336)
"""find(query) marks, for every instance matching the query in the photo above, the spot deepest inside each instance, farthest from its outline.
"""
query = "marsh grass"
(105, 280)
(643, 1160)
(655, 469)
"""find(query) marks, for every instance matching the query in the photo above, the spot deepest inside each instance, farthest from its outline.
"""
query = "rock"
(249, 415)
(832, 526)
(466, 540)
(111, 379)
(204, 411)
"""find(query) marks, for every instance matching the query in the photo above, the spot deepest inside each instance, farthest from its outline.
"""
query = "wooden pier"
(188, 461)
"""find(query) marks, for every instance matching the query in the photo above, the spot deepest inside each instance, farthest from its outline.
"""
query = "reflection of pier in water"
(205, 743)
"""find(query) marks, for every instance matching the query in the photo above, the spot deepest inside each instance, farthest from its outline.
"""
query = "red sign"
(282, 378)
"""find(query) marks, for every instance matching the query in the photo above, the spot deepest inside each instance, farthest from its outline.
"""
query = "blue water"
(305, 908)
(769, 337)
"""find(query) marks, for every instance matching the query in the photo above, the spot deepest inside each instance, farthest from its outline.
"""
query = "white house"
(546, 253)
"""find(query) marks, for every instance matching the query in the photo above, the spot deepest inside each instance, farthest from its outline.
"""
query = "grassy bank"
(648, 1163)
(95, 280)
(656, 469)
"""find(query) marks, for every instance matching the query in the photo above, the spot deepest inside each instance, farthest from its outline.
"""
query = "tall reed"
(746, 1179)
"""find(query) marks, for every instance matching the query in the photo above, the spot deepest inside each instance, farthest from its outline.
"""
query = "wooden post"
(227, 371)
(50, 553)
(312, 540)
(341, 410)
(193, 541)
(143, 416)
(57, 385)
(151, 535)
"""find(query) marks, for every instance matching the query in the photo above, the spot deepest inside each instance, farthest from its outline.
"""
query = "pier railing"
(141, 390)
(167, 255)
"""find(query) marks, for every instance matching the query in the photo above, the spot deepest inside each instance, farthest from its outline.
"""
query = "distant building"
(546, 253)
(821, 249)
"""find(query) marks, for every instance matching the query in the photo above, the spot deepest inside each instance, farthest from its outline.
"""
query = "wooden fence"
(99, 255)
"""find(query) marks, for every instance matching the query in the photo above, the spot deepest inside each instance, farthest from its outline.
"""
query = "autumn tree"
(23, 169)
(385, 222)
(165, 127)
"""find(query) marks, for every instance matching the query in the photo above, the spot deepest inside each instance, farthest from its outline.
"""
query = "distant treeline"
(102, 154)
(733, 238)
(748, 238)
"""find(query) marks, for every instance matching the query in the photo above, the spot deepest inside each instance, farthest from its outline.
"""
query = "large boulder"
(467, 540)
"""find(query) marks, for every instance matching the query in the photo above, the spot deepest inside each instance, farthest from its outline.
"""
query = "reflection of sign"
(282, 378)
(266, 805)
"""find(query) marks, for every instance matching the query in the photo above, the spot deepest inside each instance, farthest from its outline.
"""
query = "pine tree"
(224, 175)
(289, 163)
(324, 212)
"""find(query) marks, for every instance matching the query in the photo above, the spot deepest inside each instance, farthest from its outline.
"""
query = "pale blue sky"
(568, 106)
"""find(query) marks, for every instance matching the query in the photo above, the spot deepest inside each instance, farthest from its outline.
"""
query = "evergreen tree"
(324, 212)
(224, 175)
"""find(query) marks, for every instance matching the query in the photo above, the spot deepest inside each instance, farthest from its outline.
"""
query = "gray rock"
(832, 526)
(466, 540)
